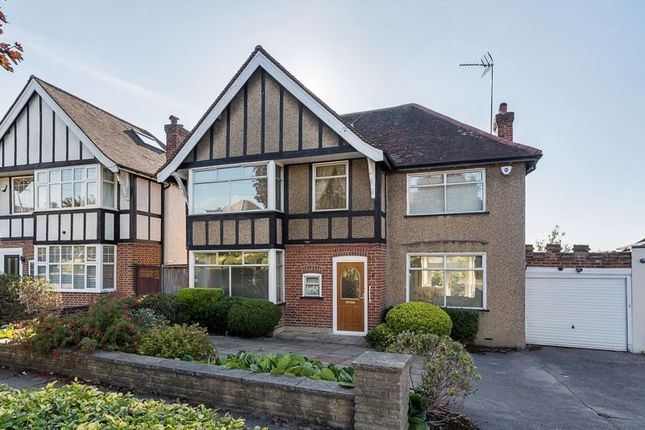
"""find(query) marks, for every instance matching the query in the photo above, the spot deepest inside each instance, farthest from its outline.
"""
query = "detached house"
(79, 204)
(337, 216)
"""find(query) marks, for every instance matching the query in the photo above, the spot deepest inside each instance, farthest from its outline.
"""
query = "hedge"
(196, 304)
(253, 318)
(465, 324)
(418, 317)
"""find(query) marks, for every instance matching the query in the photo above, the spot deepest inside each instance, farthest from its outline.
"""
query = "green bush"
(178, 341)
(448, 371)
(81, 407)
(380, 337)
(146, 319)
(465, 324)
(253, 318)
(289, 364)
(26, 297)
(218, 323)
(420, 317)
(165, 305)
(196, 304)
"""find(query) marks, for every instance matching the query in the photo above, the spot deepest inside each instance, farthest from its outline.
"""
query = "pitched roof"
(111, 134)
(413, 135)
(261, 58)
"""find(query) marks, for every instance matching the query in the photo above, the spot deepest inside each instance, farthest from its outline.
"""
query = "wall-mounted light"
(642, 260)
(4, 188)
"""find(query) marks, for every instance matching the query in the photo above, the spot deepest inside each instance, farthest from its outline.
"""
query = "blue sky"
(572, 71)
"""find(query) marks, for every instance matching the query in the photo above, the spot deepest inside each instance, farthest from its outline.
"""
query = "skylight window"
(148, 140)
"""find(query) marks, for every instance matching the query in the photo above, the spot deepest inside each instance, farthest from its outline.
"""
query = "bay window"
(240, 188)
(75, 187)
(258, 274)
(445, 193)
(23, 194)
(453, 280)
(76, 267)
(330, 186)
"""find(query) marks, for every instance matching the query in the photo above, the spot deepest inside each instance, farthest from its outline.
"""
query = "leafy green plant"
(7, 331)
(420, 317)
(417, 417)
(253, 318)
(465, 324)
(288, 364)
(86, 408)
(196, 304)
(178, 341)
(448, 371)
(218, 323)
(380, 337)
(25, 297)
(165, 305)
(146, 319)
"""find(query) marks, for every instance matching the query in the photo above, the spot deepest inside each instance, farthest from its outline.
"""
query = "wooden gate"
(147, 280)
(173, 278)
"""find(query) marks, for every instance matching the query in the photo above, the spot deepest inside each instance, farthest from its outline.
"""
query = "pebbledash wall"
(318, 311)
(379, 400)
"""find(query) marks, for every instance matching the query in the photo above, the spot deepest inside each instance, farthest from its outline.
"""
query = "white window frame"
(99, 188)
(271, 190)
(33, 195)
(304, 284)
(313, 184)
(484, 271)
(272, 265)
(98, 264)
(445, 184)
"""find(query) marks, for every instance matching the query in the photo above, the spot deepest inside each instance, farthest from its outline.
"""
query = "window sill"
(312, 297)
(448, 214)
(469, 309)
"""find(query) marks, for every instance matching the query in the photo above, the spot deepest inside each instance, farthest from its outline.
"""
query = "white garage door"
(583, 310)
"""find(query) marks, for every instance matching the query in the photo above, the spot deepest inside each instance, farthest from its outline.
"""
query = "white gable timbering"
(39, 135)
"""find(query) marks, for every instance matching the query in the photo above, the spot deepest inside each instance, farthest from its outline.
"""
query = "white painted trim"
(311, 275)
(182, 187)
(350, 259)
(484, 269)
(34, 86)
(313, 185)
(260, 60)
(12, 251)
(445, 195)
(33, 194)
(371, 171)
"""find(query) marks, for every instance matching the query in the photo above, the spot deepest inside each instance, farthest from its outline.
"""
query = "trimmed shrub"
(196, 304)
(465, 324)
(218, 323)
(253, 318)
(380, 337)
(178, 341)
(448, 371)
(420, 317)
(82, 407)
(165, 305)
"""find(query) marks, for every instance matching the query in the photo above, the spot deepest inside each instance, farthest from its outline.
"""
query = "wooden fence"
(173, 278)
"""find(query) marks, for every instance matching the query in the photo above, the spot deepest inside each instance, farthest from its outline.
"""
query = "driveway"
(559, 388)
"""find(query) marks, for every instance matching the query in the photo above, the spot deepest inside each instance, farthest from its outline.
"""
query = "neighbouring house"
(79, 204)
(338, 216)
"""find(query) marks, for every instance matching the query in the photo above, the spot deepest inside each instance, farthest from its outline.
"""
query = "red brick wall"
(128, 255)
(580, 257)
(318, 312)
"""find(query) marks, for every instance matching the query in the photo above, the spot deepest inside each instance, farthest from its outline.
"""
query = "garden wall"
(379, 401)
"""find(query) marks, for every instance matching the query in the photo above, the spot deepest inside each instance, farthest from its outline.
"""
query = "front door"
(12, 265)
(350, 299)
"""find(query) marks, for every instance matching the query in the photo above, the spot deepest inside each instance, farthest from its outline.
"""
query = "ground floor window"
(77, 267)
(453, 280)
(257, 273)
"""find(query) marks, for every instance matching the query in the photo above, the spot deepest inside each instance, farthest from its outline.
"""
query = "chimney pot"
(173, 119)
(503, 126)
(175, 136)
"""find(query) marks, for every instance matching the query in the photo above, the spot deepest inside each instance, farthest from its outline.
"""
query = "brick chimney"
(175, 136)
(503, 126)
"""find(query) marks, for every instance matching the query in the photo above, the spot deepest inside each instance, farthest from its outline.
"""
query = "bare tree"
(10, 53)
(556, 237)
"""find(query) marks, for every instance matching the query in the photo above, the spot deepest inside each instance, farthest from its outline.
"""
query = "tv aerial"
(488, 65)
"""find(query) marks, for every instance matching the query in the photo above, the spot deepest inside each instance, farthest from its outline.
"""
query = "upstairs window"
(242, 188)
(23, 194)
(330, 186)
(67, 188)
(445, 193)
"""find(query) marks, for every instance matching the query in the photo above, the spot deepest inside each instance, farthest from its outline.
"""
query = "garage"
(580, 308)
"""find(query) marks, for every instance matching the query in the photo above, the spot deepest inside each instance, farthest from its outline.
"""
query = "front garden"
(178, 328)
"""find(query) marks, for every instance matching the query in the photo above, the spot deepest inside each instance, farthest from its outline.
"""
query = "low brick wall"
(301, 401)
(579, 257)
